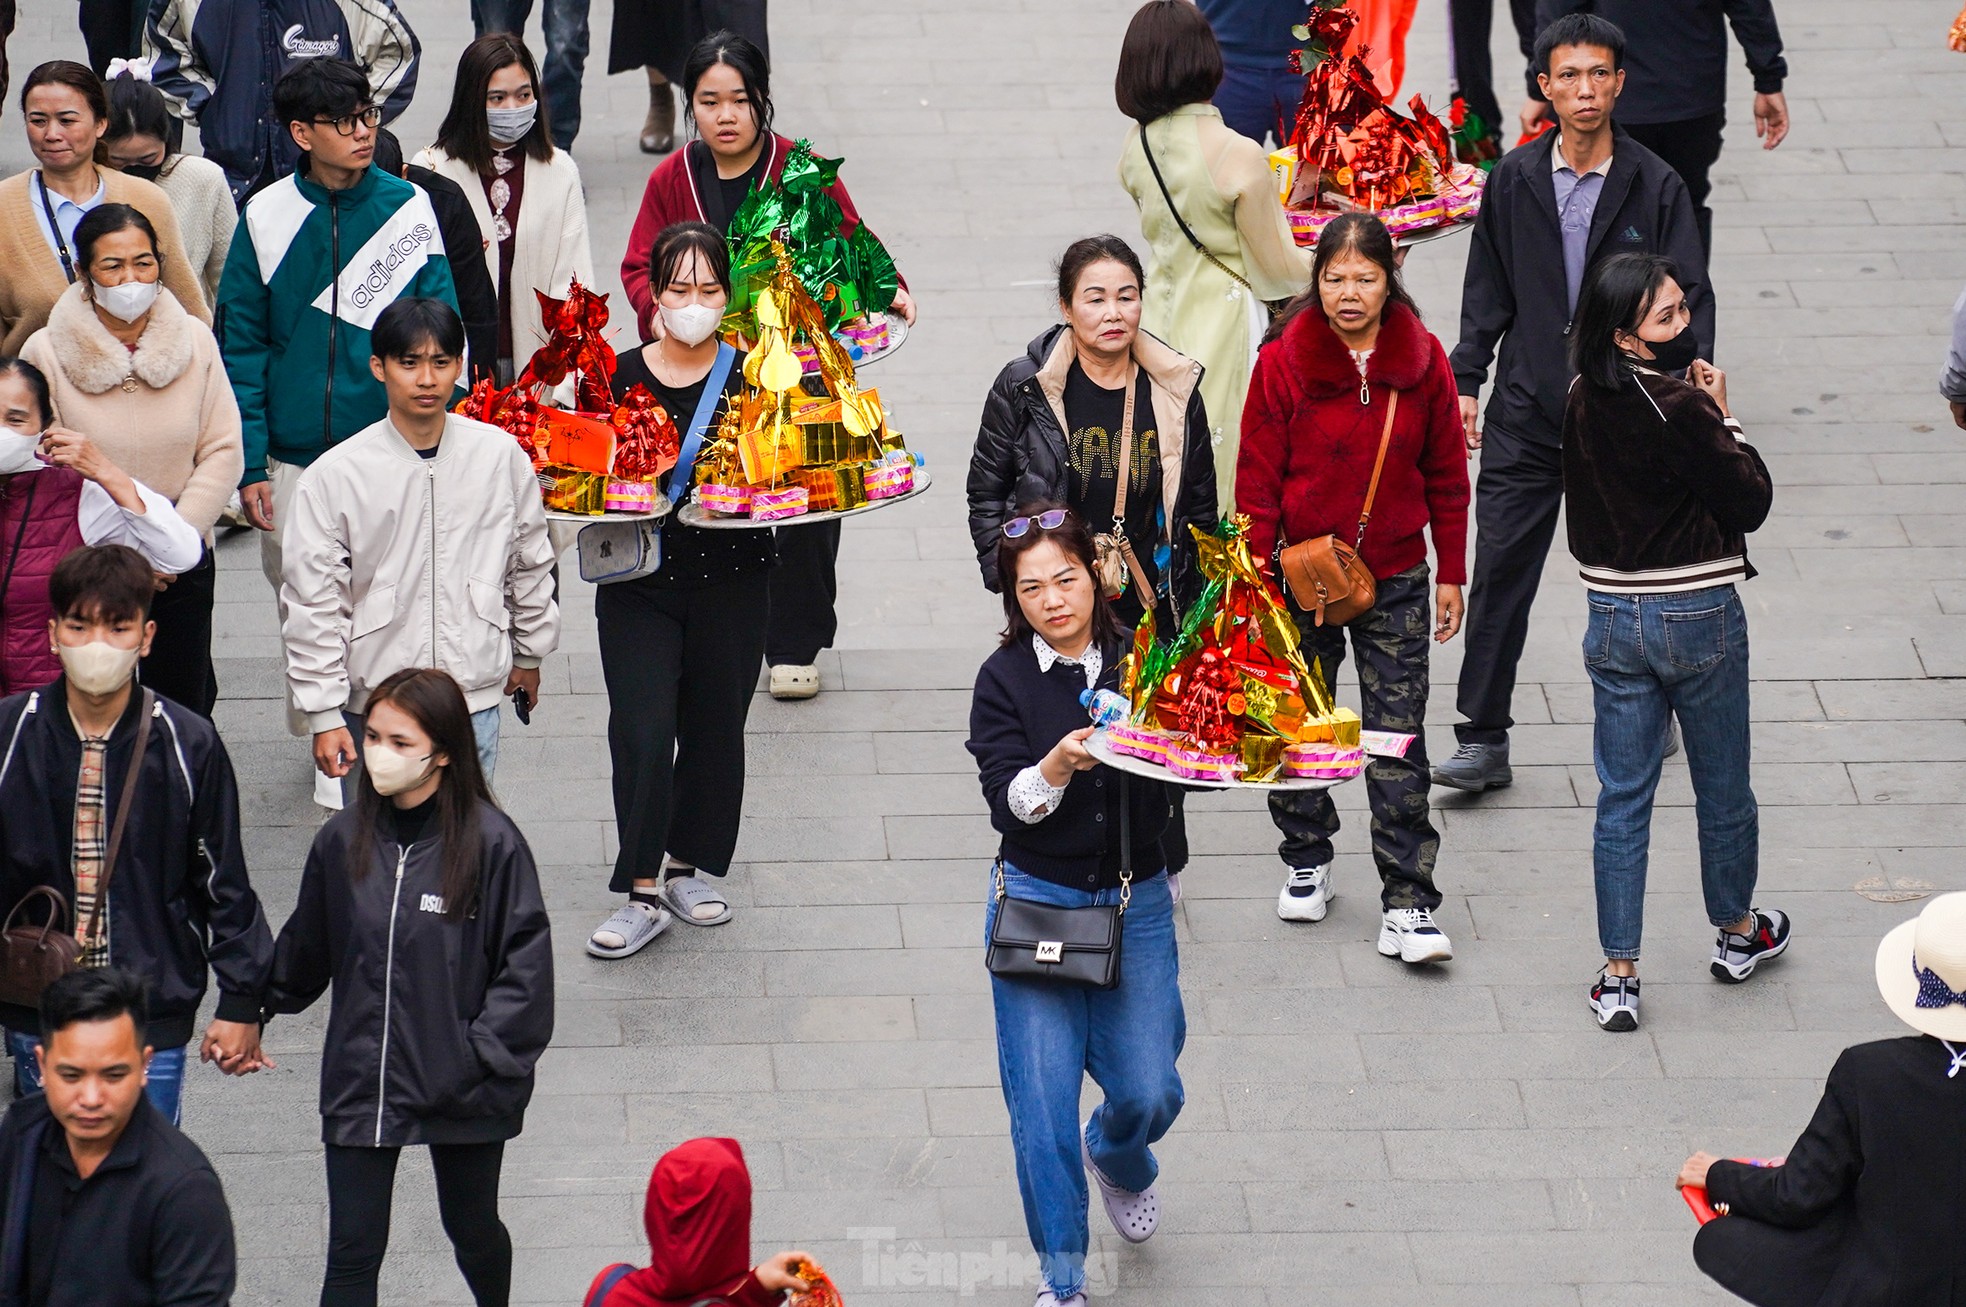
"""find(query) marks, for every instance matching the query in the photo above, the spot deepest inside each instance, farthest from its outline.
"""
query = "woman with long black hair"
(420, 905)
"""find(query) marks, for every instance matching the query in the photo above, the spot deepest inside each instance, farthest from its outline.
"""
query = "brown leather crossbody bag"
(1113, 561)
(1326, 576)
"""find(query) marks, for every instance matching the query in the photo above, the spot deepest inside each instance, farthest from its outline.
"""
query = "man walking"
(124, 806)
(318, 256)
(419, 542)
(1677, 104)
(105, 1203)
(1551, 209)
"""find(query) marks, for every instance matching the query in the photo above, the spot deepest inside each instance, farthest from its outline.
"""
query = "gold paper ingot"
(1345, 728)
(1262, 756)
(770, 450)
(573, 490)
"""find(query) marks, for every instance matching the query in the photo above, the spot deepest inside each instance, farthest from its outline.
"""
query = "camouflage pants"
(1390, 643)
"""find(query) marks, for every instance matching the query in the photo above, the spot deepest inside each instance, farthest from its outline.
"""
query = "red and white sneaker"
(1736, 956)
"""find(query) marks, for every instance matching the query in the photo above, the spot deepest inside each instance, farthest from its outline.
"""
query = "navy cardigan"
(1015, 718)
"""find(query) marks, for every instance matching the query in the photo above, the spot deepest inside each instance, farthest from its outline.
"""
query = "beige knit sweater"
(205, 215)
(30, 275)
(176, 429)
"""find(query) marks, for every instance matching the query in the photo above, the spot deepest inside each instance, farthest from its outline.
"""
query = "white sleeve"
(172, 544)
(1032, 798)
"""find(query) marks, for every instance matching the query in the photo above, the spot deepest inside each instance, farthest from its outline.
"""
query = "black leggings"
(361, 1183)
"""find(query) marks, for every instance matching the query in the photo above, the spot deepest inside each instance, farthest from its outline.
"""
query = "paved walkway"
(1355, 1133)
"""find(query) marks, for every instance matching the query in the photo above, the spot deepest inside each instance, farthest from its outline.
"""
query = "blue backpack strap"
(699, 423)
(605, 1285)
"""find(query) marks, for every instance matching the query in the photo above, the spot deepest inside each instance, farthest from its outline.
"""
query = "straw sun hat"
(1928, 993)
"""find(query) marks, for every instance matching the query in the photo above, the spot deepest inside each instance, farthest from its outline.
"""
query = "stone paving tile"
(1354, 1131)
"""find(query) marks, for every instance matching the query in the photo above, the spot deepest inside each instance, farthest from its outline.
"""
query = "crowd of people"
(290, 319)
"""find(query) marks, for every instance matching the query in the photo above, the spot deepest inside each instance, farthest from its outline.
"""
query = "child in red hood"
(698, 1217)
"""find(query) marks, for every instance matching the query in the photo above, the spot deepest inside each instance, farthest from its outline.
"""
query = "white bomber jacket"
(391, 560)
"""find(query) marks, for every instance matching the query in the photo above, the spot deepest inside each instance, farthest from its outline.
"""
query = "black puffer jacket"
(436, 1023)
(180, 906)
(1020, 450)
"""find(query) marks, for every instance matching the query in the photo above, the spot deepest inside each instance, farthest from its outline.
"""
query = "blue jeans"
(1687, 655)
(484, 727)
(566, 54)
(1260, 102)
(1049, 1036)
(164, 1087)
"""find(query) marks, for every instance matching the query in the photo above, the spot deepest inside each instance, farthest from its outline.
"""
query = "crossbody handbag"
(35, 957)
(1113, 559)
(1068, 946)
(1326, 576)
(624, 551)
(1274, 307)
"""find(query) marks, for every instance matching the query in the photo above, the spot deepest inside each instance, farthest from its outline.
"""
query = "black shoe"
(1736, 956)
(1476, 767)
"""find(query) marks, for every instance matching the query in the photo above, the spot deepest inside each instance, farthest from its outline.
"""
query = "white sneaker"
(1050, 1299)
(1410, 935)
(794, 681)
(1306, 895)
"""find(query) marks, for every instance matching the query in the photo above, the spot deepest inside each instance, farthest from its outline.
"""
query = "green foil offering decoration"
(850, 275)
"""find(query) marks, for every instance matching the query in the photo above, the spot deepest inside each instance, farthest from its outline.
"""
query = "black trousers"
(1770, 1266)
(1692, 147)
(111, 29)
(1470, 23)
(804, 588)
(681, 667)
(1517, 497)
(1390, 641)
(180, 663)
(361, 1186)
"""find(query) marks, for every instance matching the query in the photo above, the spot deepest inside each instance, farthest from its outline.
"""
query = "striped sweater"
(1661, 490)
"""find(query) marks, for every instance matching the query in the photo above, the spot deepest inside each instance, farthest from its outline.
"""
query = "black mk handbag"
(1069, 946)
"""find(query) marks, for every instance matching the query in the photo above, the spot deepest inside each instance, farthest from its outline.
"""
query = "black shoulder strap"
(1182, 223)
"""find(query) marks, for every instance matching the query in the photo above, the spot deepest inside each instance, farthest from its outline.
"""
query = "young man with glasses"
(318, 256)
(1551, 210)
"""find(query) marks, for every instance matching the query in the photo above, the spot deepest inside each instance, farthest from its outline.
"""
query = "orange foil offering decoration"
(822, 1292)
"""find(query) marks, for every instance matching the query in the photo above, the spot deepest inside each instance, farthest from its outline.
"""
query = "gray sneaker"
(1476, 767)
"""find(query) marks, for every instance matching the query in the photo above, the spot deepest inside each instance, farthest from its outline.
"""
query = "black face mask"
(147, 171)
(1675, 355)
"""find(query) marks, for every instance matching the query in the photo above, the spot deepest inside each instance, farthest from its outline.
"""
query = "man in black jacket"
(102, 1202)
(1677, 103)
(1551, 209)
(175, 898)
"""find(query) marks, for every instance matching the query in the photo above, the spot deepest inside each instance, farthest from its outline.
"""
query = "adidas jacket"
(217, 61)
(309, 272)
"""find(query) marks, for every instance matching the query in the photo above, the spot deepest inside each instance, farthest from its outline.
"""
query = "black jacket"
(1659, 489)
(1676, 52)
(1020, 454)
(149, 1226)
(464, 246)
(1016, 715)
(436, 1024)
(1514, 291)
(179, 901)
(1882, 1170)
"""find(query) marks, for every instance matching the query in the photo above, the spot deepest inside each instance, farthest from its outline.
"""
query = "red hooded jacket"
(671, 197)
(698, 1218)
(1308, 445)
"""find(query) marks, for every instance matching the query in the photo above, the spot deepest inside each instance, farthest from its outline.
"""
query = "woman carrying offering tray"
(680, 648)
(1079, 840)
(1352, 429)
(727, 85)
(1089, 395)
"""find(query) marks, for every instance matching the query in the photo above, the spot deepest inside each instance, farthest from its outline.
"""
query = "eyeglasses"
(1049, 520)
(370, 117)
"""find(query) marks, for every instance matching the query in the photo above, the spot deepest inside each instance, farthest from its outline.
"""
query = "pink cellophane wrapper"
(775, 505)
(1322, 762)
(1138, 741)
(886, 480)
(1199, 764)
(631, 497)
(731, 501)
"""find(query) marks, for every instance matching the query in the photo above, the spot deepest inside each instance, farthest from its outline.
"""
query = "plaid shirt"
(91, 835)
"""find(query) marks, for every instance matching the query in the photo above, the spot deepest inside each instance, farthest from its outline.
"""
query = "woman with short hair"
(129, 367)
(496, 144)
(1219, 242)
(1660, 491)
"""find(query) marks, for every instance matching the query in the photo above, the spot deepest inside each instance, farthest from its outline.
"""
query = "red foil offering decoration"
(1204, 713)
(647, 443)
(575, 343)
(512, 410)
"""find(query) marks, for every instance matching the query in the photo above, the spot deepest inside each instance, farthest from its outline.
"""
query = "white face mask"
(392, 773)
(96, 667)
(692, 324)
(17, 453)
(509, 125)
(129, 301)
